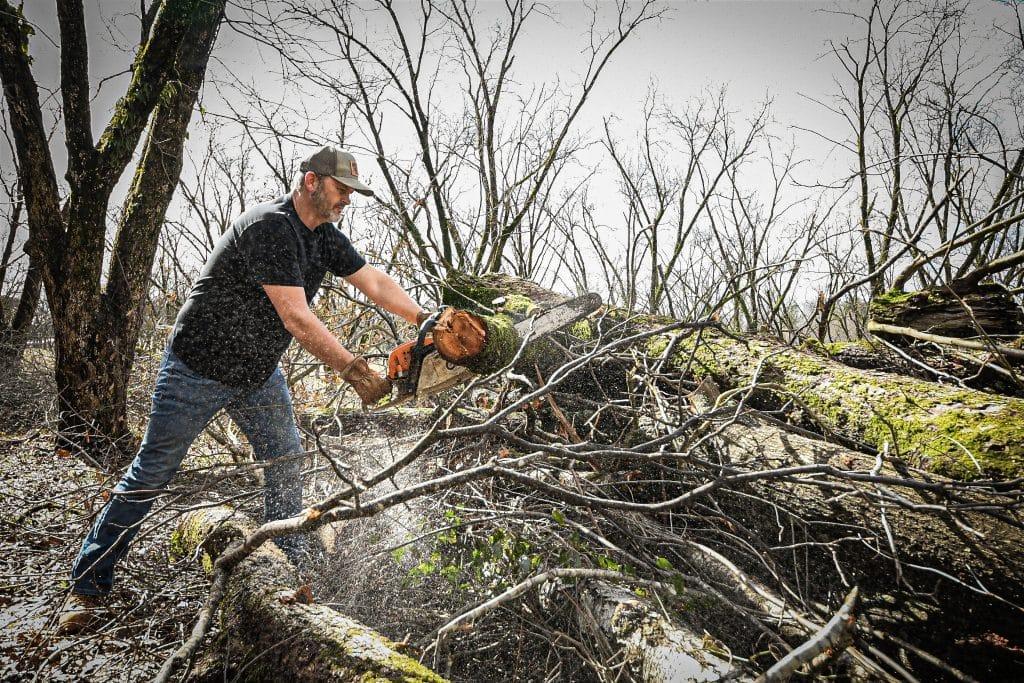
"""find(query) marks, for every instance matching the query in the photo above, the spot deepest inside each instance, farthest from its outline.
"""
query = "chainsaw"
(417, 371)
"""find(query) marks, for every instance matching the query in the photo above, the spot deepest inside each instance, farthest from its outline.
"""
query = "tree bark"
(959, 310)
(273, 629)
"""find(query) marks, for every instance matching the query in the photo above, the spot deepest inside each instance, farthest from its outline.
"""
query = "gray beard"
(324, 210)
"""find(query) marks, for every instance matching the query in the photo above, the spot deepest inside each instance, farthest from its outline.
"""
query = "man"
(252, 297)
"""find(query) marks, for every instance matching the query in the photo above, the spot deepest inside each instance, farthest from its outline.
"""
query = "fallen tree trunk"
(922, 538)
(273, 630)
(947, 430)
(897, 535)
(962, 433)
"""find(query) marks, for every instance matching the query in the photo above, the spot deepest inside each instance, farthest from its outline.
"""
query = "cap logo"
(354, 170)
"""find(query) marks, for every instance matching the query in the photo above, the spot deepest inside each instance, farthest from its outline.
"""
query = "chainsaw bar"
(437, 374)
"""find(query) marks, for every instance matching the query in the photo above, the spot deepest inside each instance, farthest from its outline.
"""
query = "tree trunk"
(273, 629)
(95, 331)
(946, 430)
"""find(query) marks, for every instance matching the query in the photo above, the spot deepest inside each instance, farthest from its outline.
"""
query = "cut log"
(483, 344)
(459, 335)
(958, 311)
(272, 631)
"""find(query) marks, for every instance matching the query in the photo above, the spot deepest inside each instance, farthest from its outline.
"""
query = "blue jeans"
(183, 403)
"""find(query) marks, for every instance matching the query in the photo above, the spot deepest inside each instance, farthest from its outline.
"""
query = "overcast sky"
(757, 48)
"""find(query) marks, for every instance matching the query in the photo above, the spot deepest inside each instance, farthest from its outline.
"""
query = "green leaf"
(663, 563)
(557, 515)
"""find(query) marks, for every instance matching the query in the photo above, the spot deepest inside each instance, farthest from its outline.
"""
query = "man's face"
(329, 198)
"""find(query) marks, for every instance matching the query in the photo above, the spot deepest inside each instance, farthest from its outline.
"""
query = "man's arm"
(302, 323)
(385, 292)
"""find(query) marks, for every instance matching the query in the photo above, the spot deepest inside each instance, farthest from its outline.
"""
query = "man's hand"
(421, 318)
(370, 386)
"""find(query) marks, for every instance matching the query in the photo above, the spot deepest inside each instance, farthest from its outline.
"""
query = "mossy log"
(883, 546)
(485, 311)
(886, 539)
(501, 299)
(947, 430)
(273, 631)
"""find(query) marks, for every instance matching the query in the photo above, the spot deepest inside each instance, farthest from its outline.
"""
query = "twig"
(834, 636)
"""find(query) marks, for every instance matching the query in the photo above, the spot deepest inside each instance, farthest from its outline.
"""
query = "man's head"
(338, 164)
(328, 177)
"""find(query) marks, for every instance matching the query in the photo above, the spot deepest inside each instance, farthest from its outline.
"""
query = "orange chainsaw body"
(400, 360)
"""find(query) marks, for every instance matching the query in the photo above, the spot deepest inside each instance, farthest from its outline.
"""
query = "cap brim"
(360, 187)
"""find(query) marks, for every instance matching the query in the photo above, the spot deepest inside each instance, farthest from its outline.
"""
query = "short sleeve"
(340, 257)
(271, 253)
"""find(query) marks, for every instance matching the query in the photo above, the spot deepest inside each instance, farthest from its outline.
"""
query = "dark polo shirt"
(228, 329)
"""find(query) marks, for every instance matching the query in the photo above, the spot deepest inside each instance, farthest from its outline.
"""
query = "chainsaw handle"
(428, 325)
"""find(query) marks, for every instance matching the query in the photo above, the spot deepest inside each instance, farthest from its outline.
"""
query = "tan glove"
(370, 386)
(421, 318)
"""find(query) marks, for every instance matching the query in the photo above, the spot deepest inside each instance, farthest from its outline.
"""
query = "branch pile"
(646, 496)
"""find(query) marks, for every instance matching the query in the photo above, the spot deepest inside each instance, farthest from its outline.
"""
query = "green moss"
(501, 344)
(834, 348)
(884, 306)
(812, 345)
(656, 345)
(468, 293)
(894, 297)
(582, 330)
(190, 535)
(385, 664)
(519, 304)
(956, 432)
(797, 362)
(478, 296)
(186, 538)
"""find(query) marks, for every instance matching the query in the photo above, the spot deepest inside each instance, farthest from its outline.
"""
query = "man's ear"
(310, 181)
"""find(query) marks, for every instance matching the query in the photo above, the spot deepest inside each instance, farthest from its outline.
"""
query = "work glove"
(370, 386)
(421, 318)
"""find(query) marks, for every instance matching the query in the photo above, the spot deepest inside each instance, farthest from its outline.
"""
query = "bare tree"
(20, 277)
(474, 194)
(937, 170)
(97, 315)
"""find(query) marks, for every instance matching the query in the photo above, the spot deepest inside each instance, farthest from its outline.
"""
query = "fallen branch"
(971, 344)
(833, 637)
